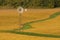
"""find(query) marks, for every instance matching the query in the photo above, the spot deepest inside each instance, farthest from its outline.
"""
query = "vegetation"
(31, 34)
(29, 3)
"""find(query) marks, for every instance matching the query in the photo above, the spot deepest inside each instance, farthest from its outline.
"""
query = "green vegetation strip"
(31, 34)
(28, 24)
(51, 17)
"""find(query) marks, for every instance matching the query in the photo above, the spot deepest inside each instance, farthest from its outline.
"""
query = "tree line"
(30, 3)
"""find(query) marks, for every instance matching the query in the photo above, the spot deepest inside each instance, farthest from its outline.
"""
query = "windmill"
(20, 12)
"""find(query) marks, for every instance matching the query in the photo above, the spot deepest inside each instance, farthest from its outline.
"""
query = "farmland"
(9, 20)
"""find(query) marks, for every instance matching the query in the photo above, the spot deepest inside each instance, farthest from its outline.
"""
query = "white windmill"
(20, 11)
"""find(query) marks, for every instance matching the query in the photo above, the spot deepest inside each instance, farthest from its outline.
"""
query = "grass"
(49, 28)
(27, 25)
(31, 34)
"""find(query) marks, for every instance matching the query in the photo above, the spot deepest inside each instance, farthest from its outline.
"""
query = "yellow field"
(9, 20)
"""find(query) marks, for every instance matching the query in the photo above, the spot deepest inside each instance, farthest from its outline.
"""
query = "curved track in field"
(27, 26)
